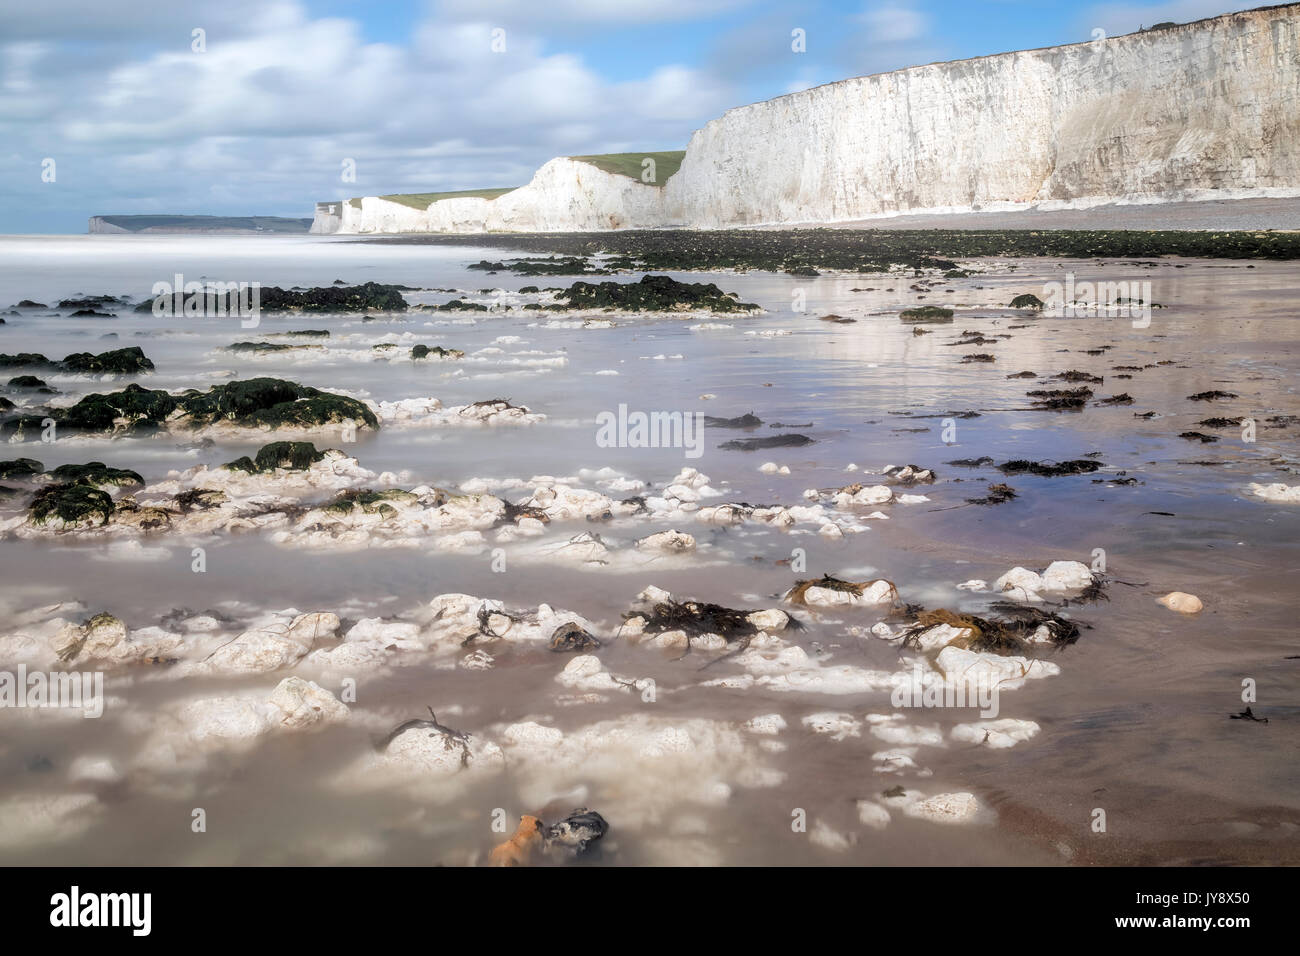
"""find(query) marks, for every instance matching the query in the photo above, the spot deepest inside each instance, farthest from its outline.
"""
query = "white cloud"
(1120, 18)
(266, 115)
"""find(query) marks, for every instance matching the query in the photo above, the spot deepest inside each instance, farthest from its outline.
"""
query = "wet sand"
(1137, 722)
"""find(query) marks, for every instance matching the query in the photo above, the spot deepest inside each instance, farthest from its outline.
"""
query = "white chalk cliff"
(1204, 110)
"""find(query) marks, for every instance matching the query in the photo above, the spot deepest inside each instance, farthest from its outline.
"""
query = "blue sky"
(132, 118)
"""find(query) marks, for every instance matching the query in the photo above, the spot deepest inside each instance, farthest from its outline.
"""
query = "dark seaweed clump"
(874, 250)
(998, 494)
(1060, 398)
(255, 402)
(96, 474)
(424, 351)
(1049, 469)
(20, 468)
(771, 441)
(367, 297)
(1008, 634)
(128, 361)
(1026, 301)
(930, 314)
(1210, 396)
(76, 505)
(748, 420)
(653, 293)
(697, 618)
(294, 455)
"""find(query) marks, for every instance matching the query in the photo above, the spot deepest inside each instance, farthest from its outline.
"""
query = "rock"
(1285, 494)
(523, 847)
(1181, 602)
(306, 704)
(572, 637)
(837, 726)
(1066, 576)
(667, 542)
(995, 734)
(946, 808)
(574, 835)
(1021, 582)
(872, 814)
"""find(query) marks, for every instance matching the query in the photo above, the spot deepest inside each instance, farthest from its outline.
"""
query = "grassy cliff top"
(422, 200)
(629, 164)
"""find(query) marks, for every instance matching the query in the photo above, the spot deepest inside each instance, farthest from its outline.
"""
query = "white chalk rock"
(837, 726)
(1019, 581)
(667, 542)
(1066, 576)
(1278, 492)
(872, 814)
(946, 808)
(995, 734)
(1181, 602)
(306, 705)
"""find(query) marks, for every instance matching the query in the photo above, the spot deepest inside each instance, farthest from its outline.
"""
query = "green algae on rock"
(264, 403)
(932, 314)
(69, 506)
(127, 361)
(424, 351)
(96, 474)
(20, 468)
(653, 293)
(293, 455)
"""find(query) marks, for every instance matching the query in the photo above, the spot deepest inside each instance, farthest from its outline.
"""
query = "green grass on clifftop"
(629, 164)
(422, 201)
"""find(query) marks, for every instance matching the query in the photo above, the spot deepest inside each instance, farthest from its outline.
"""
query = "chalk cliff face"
(1204, 110)
(1198, 111)
(563, 195)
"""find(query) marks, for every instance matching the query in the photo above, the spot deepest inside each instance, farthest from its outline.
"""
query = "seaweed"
(1074, 375)
(127, 361)
(1049, 469)
(293, 455)
(929, 314)
(370, 502)
(1009, 634)
(1026, 300)
(96, 474)
(748, 420)
(1211, 395)
(1201, 437)
(20, 468)
(796, 594)
(770, 441)
(74, 505)
(697, 618)
(998, 494)
(657, 293)
(1060, 398)
(424, 351)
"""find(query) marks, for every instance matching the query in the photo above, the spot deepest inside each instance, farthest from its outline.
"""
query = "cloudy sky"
(132, 113)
